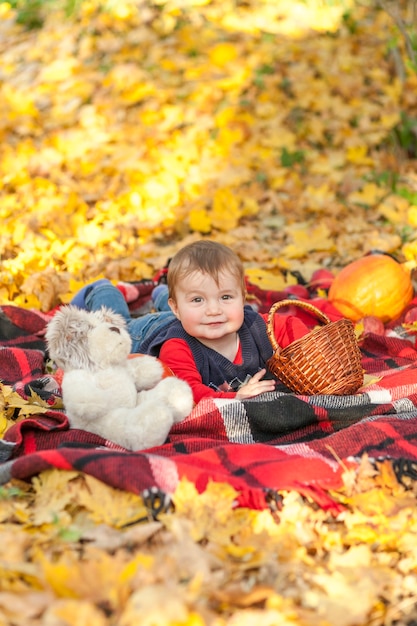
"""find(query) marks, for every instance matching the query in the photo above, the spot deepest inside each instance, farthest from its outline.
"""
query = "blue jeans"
(103, 293)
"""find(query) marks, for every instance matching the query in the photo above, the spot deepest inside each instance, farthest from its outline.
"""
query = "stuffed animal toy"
(125, 400)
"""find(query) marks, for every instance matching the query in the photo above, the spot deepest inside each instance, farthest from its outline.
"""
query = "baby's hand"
(255, 386)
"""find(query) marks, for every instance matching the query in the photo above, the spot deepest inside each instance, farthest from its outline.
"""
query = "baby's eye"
(197, 299)
(227, 296)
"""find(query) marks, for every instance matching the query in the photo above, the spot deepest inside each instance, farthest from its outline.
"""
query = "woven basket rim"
(332, 348)
(307, 306)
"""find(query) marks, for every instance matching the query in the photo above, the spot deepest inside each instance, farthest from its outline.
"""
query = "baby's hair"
(208, 257)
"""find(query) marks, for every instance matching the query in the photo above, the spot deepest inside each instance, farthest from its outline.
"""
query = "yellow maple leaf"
(370, 194)
(379, 502)
(389, 120)
(230, 136)
(225, 115)
(222, 53)
(306, 238)
(225, 211)
(106, 505)
(58, 69)
(185, 494)
(250, 206)
(199, 220)
(211, 513)
(12, 405)
(234, 79)
(358, 155)
(318, 197)
(20, 105)
(5, 423)
(267, 279)
(35, 399)
(409, 250)
(412, 215)
(52, 495)
(395, 209)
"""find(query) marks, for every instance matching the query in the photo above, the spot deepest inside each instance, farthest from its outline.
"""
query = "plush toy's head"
(93, 340)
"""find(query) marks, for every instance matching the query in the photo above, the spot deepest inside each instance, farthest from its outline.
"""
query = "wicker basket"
(325, 361)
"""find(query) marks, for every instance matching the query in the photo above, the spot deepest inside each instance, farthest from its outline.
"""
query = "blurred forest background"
(287, 130)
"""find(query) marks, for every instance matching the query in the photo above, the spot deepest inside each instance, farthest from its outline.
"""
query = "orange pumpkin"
(375, 285)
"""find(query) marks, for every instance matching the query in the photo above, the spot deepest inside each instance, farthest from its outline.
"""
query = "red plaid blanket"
(278, 441)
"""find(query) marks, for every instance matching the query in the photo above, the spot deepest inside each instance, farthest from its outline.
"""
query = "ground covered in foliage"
(74, 554)
(129, 129)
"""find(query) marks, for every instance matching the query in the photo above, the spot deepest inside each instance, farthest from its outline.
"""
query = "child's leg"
(103, 293)
(160, 298)
(79, 298)
(141, 327)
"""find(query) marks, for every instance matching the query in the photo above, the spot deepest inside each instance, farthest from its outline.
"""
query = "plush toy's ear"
(109, 317)
(66, 337)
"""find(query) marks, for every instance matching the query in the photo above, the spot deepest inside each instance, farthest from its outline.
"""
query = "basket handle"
(289, 302)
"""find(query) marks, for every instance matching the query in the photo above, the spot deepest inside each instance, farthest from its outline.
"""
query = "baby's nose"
(213, 306)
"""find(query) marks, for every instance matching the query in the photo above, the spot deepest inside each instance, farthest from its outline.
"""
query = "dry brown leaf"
(22, 609)
(156, 605)
(47, 286)
(110, 539)
(69, 612)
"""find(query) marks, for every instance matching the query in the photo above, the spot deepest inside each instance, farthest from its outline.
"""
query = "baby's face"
(209, 310)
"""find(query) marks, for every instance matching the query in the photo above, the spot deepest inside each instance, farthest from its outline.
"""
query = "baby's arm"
(177, 355)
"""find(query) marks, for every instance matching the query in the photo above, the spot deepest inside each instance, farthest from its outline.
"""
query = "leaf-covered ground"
(76, 553)
(127, 130)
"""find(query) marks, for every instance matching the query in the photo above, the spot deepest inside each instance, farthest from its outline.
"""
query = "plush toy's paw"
(146, 370)
(179, 397)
